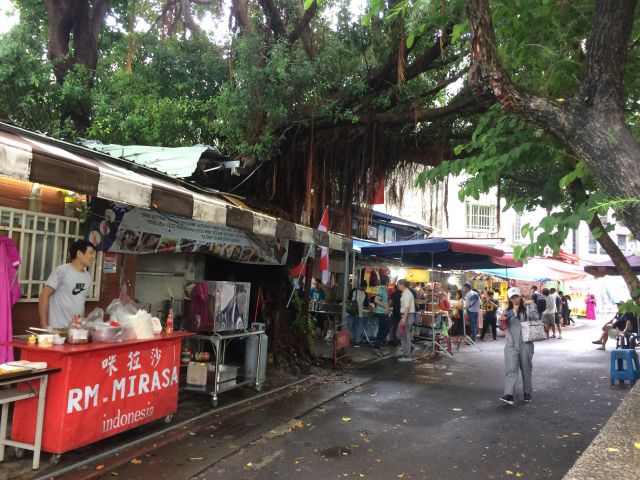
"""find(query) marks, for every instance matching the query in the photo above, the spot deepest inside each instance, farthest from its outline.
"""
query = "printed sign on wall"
(116, 227)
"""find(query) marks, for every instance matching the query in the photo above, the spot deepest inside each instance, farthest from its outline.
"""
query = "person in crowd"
(395, 316)
(564, 309)
(490, 307)
(317, 295)
(358, 295)
(381, 302)
(457, 313)
(558, 314)
(569, 317)
(472, 308)
(518, 355)
(590, 303)
(65, 291)
(549, 314)
(407, 312)
(621, 324)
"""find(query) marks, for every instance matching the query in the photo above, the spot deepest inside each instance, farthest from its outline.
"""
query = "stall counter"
(102, 389)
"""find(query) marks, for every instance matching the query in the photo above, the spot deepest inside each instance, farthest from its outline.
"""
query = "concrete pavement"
(428, 420)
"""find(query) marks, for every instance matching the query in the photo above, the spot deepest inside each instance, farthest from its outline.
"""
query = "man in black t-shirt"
(395, 316)
(621, 324)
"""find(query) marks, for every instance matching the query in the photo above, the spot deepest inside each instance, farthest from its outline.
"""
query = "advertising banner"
(103, 392)
(120, 228)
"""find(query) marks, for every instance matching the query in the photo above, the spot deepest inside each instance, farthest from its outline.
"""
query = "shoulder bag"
(532, 330)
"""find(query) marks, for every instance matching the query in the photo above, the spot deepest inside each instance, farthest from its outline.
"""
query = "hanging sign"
(110, 262)
(119, 228)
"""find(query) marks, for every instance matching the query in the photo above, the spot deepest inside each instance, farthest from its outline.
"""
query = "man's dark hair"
(79, 246)
(403, 282)
(384, 280)
(560, 292)
(490, 292)
(534, 288)
(553, 290)
(363, 284)
(545, 291)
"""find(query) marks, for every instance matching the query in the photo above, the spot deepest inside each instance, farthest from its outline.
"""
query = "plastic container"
(45, 340)
(107, 334)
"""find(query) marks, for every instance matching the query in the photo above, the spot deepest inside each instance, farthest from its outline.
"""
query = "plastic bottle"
(169, 325)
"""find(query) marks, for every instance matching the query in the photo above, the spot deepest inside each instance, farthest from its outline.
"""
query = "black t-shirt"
(395, 298)
(620, 321)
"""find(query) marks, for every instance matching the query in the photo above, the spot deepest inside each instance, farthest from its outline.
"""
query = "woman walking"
(518, 355)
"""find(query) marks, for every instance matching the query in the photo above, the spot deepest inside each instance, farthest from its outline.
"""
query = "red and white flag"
(324, 251)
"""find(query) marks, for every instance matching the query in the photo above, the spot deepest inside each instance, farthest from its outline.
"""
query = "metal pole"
(345, 286)
(306, 257)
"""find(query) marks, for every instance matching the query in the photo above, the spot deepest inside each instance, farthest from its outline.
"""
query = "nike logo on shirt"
(79, 288)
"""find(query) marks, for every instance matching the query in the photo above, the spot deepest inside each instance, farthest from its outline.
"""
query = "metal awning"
(36, 158)
(179, 162)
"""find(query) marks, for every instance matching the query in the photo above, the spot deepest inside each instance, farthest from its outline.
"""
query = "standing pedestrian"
(382, 303)
(361, 298)
(395, 316)
(472, 308)
(564, 309)
(590, 303)
(407, 311)
(558, 313)
(549, 313)
(490, 306)
(518, 355)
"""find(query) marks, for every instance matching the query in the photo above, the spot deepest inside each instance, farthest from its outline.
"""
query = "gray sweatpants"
(405, 338)
(514, 361)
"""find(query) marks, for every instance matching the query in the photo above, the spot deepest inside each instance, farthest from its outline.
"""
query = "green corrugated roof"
(177, 161)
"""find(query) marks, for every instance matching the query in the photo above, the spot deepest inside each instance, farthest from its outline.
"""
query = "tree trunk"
(592, 122)
(619, 260)
(80, 22)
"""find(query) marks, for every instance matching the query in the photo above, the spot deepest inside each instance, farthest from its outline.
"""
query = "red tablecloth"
(102, 389)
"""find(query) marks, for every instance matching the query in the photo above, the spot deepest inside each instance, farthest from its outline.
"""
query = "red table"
(102, 389)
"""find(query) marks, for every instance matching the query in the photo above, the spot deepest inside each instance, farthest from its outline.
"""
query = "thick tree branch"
(606, 57)
(274, 19)
(187, 16)
(303, 23)
(423, 114)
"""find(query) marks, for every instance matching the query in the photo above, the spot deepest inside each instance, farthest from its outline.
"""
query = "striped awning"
(39, 159)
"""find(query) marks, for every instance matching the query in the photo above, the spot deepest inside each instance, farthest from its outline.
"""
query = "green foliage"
(303, 323)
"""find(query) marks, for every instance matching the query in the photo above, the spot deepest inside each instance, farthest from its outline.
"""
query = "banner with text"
(116, 227)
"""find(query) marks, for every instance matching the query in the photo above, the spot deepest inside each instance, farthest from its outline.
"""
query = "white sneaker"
(329, 335)
(405, 359)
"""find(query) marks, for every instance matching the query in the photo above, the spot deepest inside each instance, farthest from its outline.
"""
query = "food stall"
(102, 389)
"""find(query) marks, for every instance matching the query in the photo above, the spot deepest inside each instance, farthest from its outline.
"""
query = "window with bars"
(480, 218)
(43, 242)
(517, 229)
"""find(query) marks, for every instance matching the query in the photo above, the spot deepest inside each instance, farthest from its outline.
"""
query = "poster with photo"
(120, 228)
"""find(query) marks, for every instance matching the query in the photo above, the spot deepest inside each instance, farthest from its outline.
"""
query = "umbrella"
(608, 268)
(442, 253)
(542, 270)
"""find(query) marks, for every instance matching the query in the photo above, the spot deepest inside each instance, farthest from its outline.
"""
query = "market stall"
(102, 389)
(440, 254)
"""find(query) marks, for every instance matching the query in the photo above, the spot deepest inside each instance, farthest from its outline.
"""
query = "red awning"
(462, 247)
(507, 261)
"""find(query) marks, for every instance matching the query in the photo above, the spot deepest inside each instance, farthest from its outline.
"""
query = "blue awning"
(438, 252)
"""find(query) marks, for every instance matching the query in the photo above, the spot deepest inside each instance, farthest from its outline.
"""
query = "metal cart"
(219, 343)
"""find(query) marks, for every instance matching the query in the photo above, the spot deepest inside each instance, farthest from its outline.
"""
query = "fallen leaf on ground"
(196, 458)
(346, 419)
(99, 467)
(509, 472)
(114, 474)
(249, 465)
(611, 449)
(576, 434)
(400, 475)
(637, 444)
(456, 409)
(519, 474)
(136, 461)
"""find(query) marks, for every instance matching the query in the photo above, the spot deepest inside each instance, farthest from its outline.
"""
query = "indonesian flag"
(324, 251)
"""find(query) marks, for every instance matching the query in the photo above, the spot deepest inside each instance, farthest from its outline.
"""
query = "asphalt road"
(425, 420)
